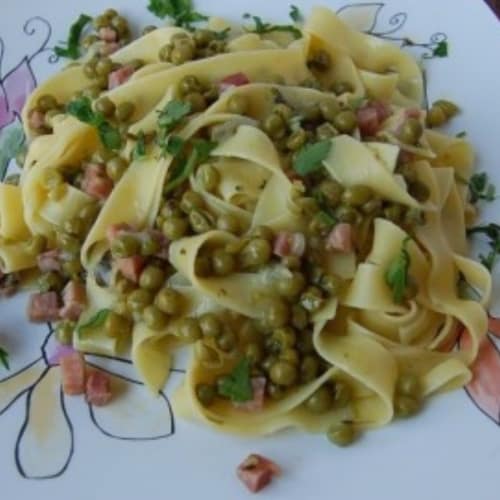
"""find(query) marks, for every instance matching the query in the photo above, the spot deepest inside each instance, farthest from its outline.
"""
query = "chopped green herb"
(441, 49)
(4, 358)
(174, 145)
(237, 386)
(81, 109)
(492, 231)
(222, 35)
(140, 147)
(480, 188)
(461, 135)
(396, 275)
(261, 27)
(295, 14)
(310, 157)
(172, 114)
(180, 11)
(72, 49)
(95, 321)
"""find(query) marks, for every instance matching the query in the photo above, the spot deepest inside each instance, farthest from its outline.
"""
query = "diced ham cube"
(98, 388)
(73, 373)
(413, 113)
(74, 300)
(36, 119)
(371, 117)
(116, 229)
(95, 182)
(43, 307)
(234, 80)
(287, 243)
(256, 472)
(257, 402)
(340, 238)
(109, 48)
(108, 34)
(116, 78)
(131, 267)
(49, 261)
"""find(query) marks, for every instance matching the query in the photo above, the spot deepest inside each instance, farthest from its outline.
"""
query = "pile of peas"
(48, 106)
(110, 18)
(198, 94)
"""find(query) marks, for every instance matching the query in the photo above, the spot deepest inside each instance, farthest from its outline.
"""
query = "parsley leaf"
(441, 49)
(172, 114)
(181, 11)
(140, 146)
(81, 109)
(492, 231)
(72, 49)
(310, 157)
(295, 14)
(261, 27)
(95, 321)
(461, 135)
(4, 358)
(480, 188)
(237, 386)
(396, 275)
(174, 145)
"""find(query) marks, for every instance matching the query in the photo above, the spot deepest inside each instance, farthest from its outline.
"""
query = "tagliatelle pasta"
(279, 203)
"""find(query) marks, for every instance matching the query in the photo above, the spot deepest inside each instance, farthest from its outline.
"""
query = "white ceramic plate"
(59, 448)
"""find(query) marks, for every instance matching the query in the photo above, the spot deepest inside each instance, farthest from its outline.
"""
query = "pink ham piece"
(95, 182)
(131, 267)
(494, 326)
(74, 300)
(371, 116)
(49, 261)
(43, 307)
(36, 119)
(73, 373)
(116, 78)
(98, 388)
(287, 243)
(256, 472)
(257, 402)
(234, 80)
(108, 34)
(340, 238)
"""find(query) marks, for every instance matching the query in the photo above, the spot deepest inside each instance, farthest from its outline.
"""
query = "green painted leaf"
(441, 49)
(4, 358)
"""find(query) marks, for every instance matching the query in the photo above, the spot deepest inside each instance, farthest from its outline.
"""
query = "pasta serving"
(279, 202)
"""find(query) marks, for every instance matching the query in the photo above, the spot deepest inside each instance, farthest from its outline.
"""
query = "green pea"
(254, 353)
(171, 209)
(200, 221)
(356, 196)
(104, 66)
(217, 46)
(268, 362)
(271, 345)
(300, 317)
(203, 266)
(165, 53)
(152, 278)
(149, 246)
(345, 121)
(197, 101)
(332, 191)
(229, 223)
(308, 206)
(175, 228)
(206, 394)
(64, 332)
(319, 225)
(237, 105)
(342, 434)
(320, 61)
(210, 325)
(169, 301)
(284, 337)
(72, 268)
(411, 131)
(124, 111)
(263, 232)
(138, 300)
(329, 110)
(290, 355)
(291, 262)
(249, 333)
(115, 168)
(102, 83)
(88, 41)
(203, 37)
(181, 54)
(312, 113)
(343, 394)
(89, 70)
(120, 24)
(105, 106)
(191, 201)
(291, 287)
(296, 140)
(123, 285)
(406, 406)
(100, 22)
(211, 93)
(125, 245)
(180, 38)
(275, 392)
(419, 191)
(283, 110)
(393, 213)
(227, 341)
(46, 102)
(341, 88)
(209, 177)
(189, 330)
(309, 368)
(275, 313)
(274, 126)
(436, 117)
(283, 373)
(154, 318)
(326, 131)
(190, 83)
(372, 207)
(320, 401)
(50, 281)
(347, 214)
(223, 263)
(256, 253)
(36, 244)
(312, 299)
(117, 325)
(92, 92)
(149, 29)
